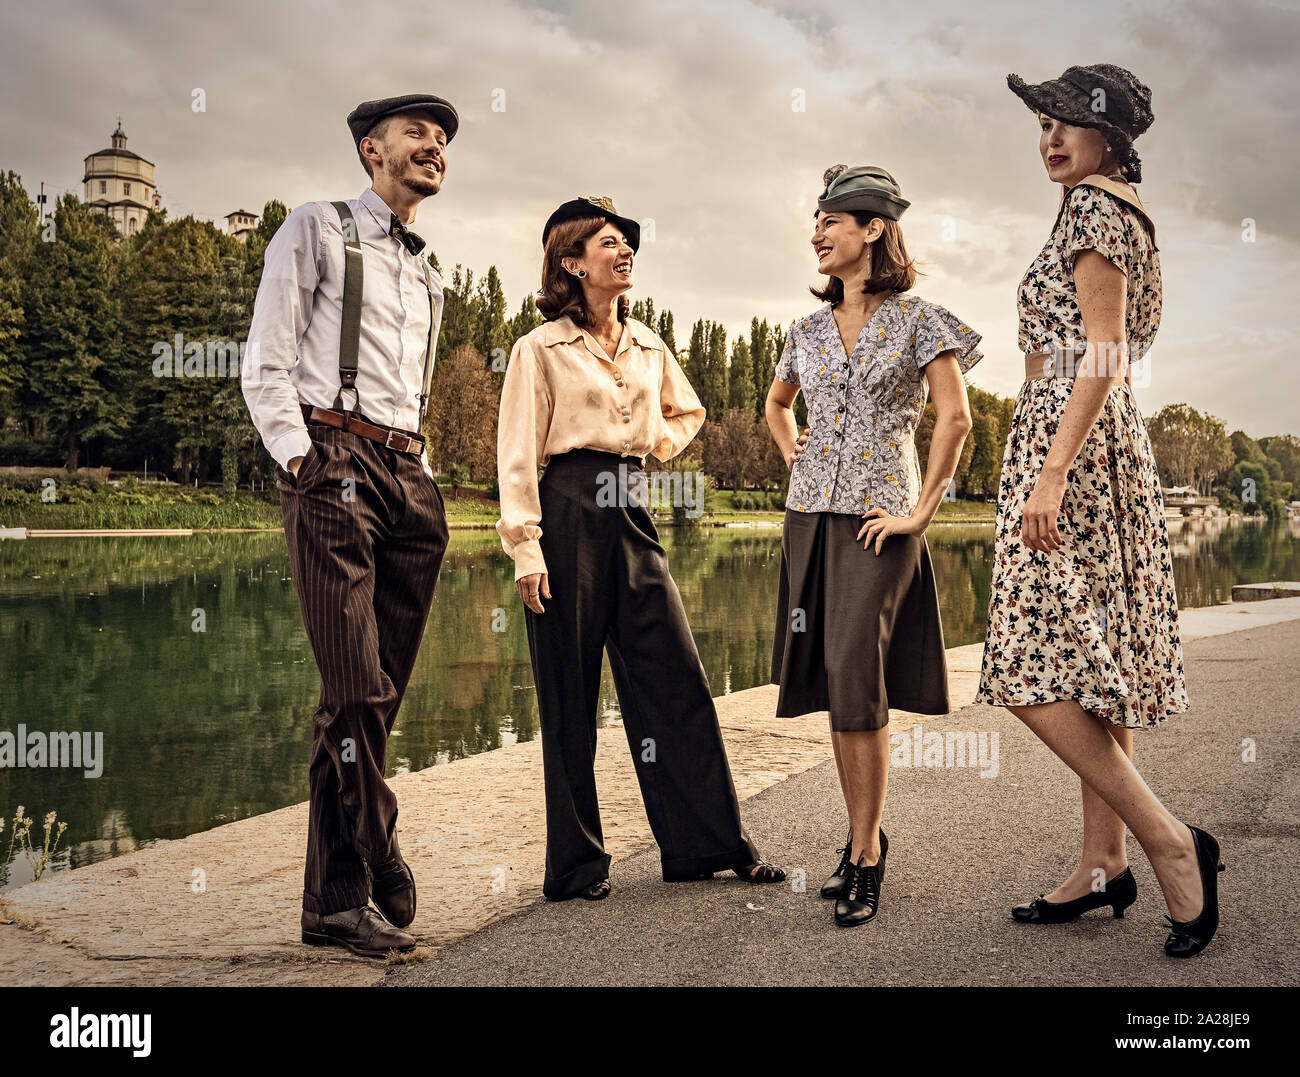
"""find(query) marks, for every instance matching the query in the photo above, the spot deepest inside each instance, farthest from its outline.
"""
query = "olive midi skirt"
(856, 632)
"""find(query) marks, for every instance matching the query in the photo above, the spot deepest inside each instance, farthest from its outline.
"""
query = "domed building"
(120, 183)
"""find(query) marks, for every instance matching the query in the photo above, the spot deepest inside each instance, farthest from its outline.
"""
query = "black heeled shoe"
(861, 898)
(1187, 938)
(833, 887)
(1119, 894)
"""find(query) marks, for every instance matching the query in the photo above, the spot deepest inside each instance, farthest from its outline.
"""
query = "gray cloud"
(682, 112)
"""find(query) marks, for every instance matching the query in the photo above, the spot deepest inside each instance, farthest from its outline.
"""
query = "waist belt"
(385, 435)
(1070, 362)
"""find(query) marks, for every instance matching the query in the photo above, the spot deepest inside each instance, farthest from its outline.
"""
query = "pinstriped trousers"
(612, 589)
(366, 530)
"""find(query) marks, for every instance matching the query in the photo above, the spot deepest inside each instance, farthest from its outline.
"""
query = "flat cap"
(362, 118)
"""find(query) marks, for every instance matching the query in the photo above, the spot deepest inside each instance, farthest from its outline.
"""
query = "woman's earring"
(580, 274)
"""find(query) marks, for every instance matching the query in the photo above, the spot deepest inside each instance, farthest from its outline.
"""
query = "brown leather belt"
(1062, 363)
(385, 435)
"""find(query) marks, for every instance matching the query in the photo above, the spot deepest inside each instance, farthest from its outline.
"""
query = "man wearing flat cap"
(337, 386)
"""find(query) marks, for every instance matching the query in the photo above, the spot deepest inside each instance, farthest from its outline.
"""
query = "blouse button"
(627, 418)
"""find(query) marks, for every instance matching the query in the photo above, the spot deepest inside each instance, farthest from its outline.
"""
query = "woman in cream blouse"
(587, 395)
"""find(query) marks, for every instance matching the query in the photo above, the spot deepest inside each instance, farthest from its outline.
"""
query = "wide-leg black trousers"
(366, 530)
(611, 589)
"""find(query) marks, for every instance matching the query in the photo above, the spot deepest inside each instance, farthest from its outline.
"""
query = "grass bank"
(84, 503)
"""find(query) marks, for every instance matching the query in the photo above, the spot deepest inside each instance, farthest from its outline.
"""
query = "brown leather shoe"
(393, 888)
(361, 930)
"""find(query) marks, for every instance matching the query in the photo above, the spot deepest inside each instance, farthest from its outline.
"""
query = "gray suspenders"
(350, 334)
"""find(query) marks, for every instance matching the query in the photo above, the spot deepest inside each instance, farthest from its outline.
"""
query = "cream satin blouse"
(562, 392)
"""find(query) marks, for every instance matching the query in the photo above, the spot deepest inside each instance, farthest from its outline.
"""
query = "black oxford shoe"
(393, 888)
(861, 897)
(834, 886)
(361, 930)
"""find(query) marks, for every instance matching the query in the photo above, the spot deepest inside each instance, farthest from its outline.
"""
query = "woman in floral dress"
(858, 629)
(1083, 642)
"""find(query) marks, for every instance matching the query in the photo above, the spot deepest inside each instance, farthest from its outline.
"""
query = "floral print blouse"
(863, 408)
(1090, 219)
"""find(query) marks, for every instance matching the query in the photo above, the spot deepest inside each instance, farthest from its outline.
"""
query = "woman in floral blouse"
(1083, 642)
(858, 628)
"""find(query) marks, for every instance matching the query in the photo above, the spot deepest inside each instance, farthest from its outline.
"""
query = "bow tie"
(410, 240)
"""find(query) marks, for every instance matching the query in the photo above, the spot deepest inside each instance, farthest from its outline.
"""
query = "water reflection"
(205, 727)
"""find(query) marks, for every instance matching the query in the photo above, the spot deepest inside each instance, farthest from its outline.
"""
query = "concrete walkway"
(473, 832)
(963, 849)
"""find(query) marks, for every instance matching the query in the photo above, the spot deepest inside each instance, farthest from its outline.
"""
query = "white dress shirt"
(293, 343)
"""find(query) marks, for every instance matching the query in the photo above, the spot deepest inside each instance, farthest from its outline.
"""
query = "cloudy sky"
(684, 113)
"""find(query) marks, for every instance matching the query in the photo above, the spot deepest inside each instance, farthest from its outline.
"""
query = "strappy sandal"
(756, 873)
(760, 872)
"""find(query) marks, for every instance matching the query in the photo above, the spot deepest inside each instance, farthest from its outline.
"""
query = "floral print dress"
(1096, 620)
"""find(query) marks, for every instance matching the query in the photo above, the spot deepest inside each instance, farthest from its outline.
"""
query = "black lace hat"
(1104, 96)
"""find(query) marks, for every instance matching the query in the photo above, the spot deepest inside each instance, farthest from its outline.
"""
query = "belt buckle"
(388, 439)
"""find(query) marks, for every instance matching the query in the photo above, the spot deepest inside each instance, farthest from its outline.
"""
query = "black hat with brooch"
(1103, 96)
(362, 118)
(577, 209)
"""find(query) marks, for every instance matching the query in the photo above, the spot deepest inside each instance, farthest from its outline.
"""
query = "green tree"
(740, 378)
(18, 238)
(461, 421)
(70, 341)
(694, 363)
(1247, 488)
(762, 361)
(490, 328)
(459, 321)
(1284, 449)
(523, 323)
(712, 389)
(1191, 449)
(665, 331)
(181, 280)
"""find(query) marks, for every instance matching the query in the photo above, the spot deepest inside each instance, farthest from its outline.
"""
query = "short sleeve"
(1093, 220)
(937, 330)
(787, 366)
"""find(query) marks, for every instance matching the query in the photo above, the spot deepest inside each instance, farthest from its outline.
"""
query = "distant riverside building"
(120, 183)
(241, 224)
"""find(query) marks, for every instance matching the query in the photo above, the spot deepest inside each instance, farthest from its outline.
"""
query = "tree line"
(85, 313)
